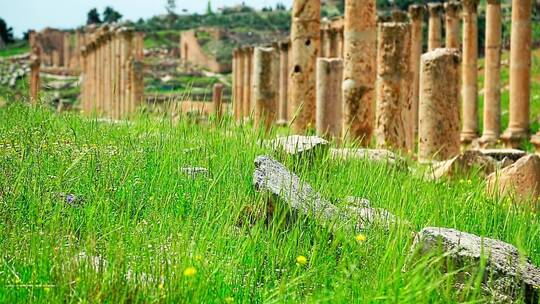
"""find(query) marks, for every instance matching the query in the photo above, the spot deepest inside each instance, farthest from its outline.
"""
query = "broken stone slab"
(500, 154)
(366, 154)
(521, 179)
(508, 274)
(272, 176)
(195, 172)
(298, 144)
(463, 165)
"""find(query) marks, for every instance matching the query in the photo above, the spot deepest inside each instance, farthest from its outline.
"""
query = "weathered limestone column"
(283, 81)
(492, 73)
(115, 81)
(399, 16)
(305, 44)
(359, 69)
(246, 102)
(137, 73)
(67, 50)
(438, 129)
(435, 26)
(126, 36)
(520, 73)
(34, 75)
(107, 77)
(234, 84)
(240, 86)
(217, 95)
(55, 58)
(470, 71)
(265, 86)
(416, 14)
(329, 102)
(99, 73)
(393, 117)
(451, 17)
(326, 42)
(334, 35)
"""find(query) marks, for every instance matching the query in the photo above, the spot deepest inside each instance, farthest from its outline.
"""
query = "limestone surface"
(520, 180)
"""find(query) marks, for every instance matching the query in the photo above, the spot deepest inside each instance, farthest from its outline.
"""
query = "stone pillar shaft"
(34, 75)
(520, 73)
(393, 117)
(246, 103)
(416, 14)
(470, 71)
(435, 26)
(359, 69)
(265, 86)
(241, 84)
(283, 81)
(452, 9)
(492, 72)
(217, 95)
(438, 129)
(305, 45)
(329, 101)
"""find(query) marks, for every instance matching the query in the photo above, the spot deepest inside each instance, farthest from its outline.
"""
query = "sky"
(38, 14)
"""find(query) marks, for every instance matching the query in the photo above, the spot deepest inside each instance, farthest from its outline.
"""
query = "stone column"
(520, 73)
(438, 129)
(55, 58)
(305, 44)
(326, 41)
(416, 14)
(393, 116)
(399, 16)
(34, 75)
(99, 75)
(283, 81)
(329, 101)
(67, 50)
(118, 75)
(265, 86)
(359, 70)
(107, 77)
(470, 72)
(234, 84)
(217, 95)
(246, 102)
(435, 26)
(492, 73)
(451, 18)
(126, 36)
(240, 87)
(115, 79)
(334, 36)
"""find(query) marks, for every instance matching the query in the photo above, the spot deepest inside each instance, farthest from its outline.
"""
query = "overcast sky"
(37, 14)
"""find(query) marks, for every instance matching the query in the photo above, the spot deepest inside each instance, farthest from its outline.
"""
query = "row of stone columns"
(112, 72)
(394, 88)
(64, 53)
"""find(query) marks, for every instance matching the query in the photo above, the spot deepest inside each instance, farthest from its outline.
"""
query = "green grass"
(15, 49)
(144, 217)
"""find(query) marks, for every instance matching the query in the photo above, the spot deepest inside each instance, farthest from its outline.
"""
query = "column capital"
(452, 8)
(399, 16)
(494, 2)
(435, 9)
(416, 11)
(470, 6)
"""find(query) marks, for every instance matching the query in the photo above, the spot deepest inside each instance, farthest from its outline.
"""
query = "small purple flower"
(70, 198)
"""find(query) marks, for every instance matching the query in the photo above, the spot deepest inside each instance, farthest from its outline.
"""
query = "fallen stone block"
(500, 154)
(507, 274)
(298, 145)
(521, 179)
(463, 165)
(274, 177)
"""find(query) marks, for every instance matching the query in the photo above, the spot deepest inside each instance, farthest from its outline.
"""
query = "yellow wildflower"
(190, 271)
(229, 300)
(301, 260)
(361, 238)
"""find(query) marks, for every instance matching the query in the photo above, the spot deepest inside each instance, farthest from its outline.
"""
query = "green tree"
(170, 7)
(93, 17)
(6, 32)
(209, 8)
(110, 15)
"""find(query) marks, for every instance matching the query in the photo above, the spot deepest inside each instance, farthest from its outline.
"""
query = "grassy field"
(98, 212)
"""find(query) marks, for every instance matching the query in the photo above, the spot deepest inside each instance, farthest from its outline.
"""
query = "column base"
(513, 138)
(468, 137)
(535, 140)
(488, 140)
